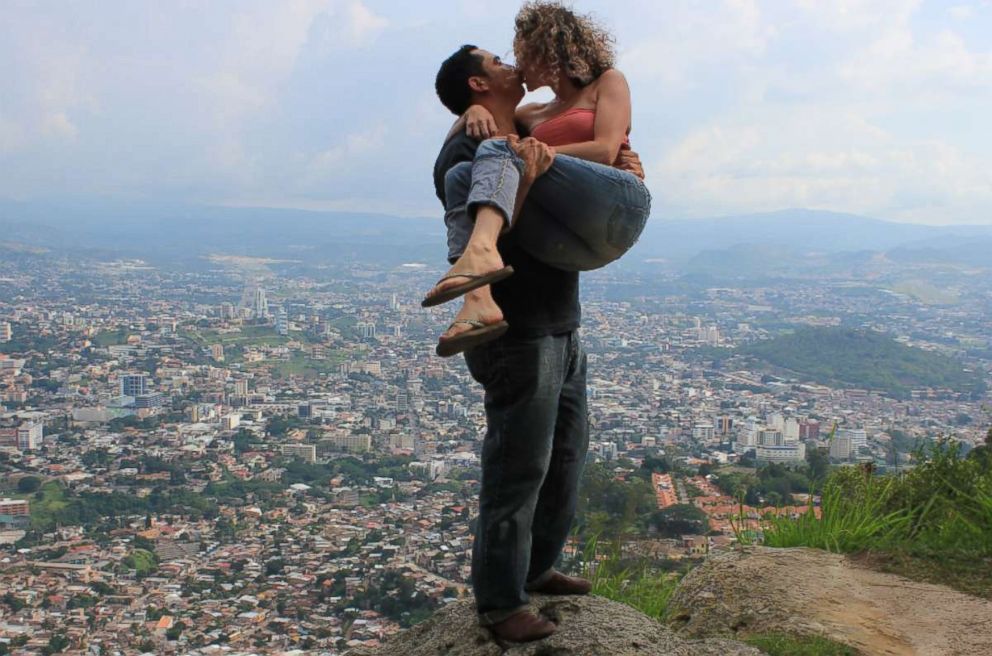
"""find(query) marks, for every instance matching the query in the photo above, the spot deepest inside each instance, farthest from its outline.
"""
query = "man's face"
(503, 79)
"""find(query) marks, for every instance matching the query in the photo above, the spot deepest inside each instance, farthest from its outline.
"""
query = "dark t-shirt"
(537, 299)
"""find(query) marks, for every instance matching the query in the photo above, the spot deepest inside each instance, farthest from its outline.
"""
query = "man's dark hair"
(452, 79)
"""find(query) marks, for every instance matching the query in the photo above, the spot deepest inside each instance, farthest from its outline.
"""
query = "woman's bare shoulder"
(530, 109)
(526, 114)
(611, 76)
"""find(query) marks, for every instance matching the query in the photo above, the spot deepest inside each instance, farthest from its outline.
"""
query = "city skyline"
(194, 459)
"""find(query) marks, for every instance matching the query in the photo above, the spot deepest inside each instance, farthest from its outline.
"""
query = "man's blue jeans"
(532, 459)
(578, 215)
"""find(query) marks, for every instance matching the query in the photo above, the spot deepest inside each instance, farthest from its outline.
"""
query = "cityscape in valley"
(261, 454)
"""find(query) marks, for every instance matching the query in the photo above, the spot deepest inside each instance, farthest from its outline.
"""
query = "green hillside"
(864, 359)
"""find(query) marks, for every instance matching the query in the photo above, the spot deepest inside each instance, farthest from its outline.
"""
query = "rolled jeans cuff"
(496, 173)
(497, 616)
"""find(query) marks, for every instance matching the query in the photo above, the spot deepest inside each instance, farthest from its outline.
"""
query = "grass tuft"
(633, 583)
(781, 644)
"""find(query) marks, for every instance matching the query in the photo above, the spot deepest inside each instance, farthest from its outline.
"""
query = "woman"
(590, 212)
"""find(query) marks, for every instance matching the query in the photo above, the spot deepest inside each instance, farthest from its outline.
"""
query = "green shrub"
(633, 583)
(944, 505)
(779, 644)
(854, 517)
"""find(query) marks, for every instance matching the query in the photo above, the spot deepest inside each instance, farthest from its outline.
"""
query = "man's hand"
(479, 123)
(537, 155)
(628, 160)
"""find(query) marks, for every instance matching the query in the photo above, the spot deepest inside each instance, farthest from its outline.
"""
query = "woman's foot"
(475, 262)
(478, 306)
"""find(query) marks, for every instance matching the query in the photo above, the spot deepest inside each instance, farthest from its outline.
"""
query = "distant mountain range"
(734, 245)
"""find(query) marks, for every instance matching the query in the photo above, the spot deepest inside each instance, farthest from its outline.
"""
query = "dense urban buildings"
(223, 459)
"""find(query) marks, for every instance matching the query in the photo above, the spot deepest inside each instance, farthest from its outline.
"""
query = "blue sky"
(878, 107)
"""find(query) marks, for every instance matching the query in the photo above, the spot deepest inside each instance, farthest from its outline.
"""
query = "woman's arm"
(612, 121)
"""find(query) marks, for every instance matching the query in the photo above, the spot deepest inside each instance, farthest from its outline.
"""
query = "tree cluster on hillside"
(608, 506)
(396, 597)
(774, 484)
(867, 359)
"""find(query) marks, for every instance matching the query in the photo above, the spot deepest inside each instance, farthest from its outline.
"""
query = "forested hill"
(864, 359)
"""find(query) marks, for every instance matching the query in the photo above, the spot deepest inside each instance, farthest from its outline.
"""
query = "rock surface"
(807, 592)
(587, 626)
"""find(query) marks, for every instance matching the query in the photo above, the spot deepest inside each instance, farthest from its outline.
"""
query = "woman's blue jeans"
(578, 215)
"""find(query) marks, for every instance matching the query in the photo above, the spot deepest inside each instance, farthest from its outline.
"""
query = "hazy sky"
(878, 107)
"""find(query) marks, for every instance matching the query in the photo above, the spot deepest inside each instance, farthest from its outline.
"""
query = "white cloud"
(961, 12)
(57, 124)
(859, 15)
(364, 25)
(820, 159)
(937, 64)
(872, 106)
(12, 135)
(358, 147)
(682, 39)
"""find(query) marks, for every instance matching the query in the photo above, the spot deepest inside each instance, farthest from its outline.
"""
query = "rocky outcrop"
(811, 592)
(587, 626)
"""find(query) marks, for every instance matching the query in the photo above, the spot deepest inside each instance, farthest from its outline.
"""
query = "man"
(534, 376)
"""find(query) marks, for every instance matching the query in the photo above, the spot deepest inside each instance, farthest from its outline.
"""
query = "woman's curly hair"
(552, 34)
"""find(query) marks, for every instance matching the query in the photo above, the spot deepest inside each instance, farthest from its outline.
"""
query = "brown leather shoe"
(560, 584)
(523, 627)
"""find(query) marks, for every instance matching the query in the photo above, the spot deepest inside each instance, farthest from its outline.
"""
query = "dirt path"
(807, 591)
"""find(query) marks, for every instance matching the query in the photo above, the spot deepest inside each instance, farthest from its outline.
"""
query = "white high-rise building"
(30, 436)
(703, 432)
(790, 430)
(776, 421)
(770, 437)
(282, 322)
(857, 436)
(134, 385)
(305, 452)
(840, 447)
(749, 436)
(260, 305)
(784, 453)
(254, 301)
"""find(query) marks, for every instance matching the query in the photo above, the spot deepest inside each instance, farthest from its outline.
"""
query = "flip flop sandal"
(476, 280)
(480, 334)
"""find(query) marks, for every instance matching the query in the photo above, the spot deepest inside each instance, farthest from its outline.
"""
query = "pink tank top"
(571, 126)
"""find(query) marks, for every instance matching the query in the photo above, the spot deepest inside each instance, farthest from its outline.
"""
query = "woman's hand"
(479, 123)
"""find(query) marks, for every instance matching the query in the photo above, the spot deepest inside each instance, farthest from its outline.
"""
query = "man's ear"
(478, 84)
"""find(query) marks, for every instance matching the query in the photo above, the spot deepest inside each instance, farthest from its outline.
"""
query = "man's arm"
(628, 160)
(458, 126)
